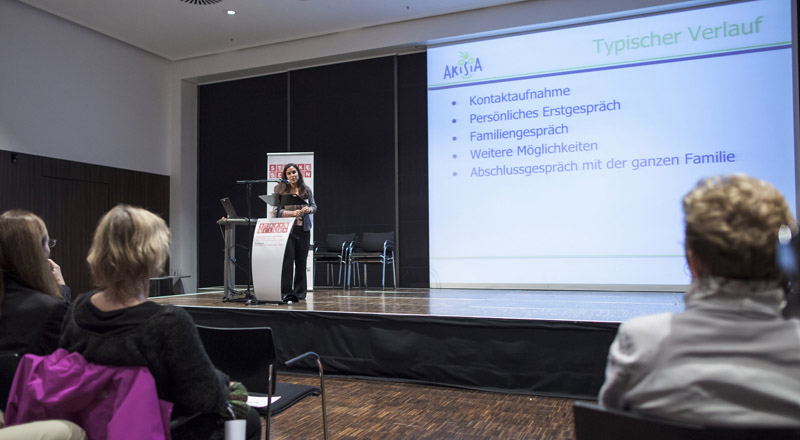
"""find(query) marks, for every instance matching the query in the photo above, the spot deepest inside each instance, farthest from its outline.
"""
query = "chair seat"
(332, 256)
(289, 395)
(367, 255)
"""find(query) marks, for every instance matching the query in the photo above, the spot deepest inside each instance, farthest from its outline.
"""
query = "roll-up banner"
(305, 164)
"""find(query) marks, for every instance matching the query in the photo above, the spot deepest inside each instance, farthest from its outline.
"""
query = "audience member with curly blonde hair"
(730, 359)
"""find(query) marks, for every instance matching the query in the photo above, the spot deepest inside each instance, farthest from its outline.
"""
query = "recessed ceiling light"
(231, 12)
(202, 2)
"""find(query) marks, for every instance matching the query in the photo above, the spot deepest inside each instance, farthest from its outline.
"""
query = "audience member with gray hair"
(730, 359)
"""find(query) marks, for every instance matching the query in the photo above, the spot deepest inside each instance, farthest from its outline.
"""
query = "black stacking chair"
(333, 251)
(8, 368)
(596, 422)
(248, 356)
(374, 247)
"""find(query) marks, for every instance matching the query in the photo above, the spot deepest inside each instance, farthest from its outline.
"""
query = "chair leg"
(313, 268)
(394, 271)
(394, 274)
(322, 394)
(357, 276)
(365, 277)
(269, 403)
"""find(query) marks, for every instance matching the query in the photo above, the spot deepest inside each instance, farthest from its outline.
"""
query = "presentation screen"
(559, 159)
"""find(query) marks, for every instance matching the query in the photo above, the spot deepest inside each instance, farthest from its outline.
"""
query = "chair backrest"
(334, 242)
(244, 354)
(373, 241)
(8, 367)
(593, 421)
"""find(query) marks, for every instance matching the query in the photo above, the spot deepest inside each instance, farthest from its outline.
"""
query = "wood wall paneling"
(18, 181)
(71, 197)
(71, 210)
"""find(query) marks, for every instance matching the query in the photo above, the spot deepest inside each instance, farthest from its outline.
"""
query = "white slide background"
(595, 219)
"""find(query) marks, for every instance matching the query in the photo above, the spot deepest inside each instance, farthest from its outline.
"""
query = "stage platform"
(520, 341)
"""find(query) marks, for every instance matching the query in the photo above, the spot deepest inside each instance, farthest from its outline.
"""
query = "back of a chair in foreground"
(8, 366)
(244, 354)
(595, 422)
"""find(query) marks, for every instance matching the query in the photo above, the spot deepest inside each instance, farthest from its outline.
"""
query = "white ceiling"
(178, 30)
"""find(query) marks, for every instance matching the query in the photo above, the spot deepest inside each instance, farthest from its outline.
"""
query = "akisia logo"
(466, 66)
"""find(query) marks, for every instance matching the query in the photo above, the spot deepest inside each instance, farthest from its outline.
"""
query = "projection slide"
(559, 159)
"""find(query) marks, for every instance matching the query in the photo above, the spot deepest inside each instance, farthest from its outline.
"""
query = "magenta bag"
(109, 403)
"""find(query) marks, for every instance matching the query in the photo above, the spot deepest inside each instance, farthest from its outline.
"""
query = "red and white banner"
(305, 165)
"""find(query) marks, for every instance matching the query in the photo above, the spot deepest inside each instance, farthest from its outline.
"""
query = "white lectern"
(269, 245)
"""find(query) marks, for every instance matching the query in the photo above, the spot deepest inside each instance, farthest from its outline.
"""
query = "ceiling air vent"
(202, 2)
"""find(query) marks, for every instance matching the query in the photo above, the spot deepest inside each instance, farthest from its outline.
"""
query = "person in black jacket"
(33, 295)
(117, 325)
(294, 259)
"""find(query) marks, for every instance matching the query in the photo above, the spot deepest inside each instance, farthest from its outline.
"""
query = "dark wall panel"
(239, 122)
(345, 113)
(413, 169)
(71, 197)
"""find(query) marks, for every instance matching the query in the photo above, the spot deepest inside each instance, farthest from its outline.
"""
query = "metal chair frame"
(255, 367)
(324, 254)
(374, 248)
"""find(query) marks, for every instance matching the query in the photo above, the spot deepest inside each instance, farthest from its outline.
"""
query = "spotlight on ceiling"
(202, 2)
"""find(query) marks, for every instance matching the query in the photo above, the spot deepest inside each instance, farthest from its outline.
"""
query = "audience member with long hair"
(730, 359)
(117, 325)
(295, 288)
(32, 289)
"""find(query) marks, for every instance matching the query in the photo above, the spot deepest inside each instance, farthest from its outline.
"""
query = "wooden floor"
(385, 410)
(575, 306)
(366, 409)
